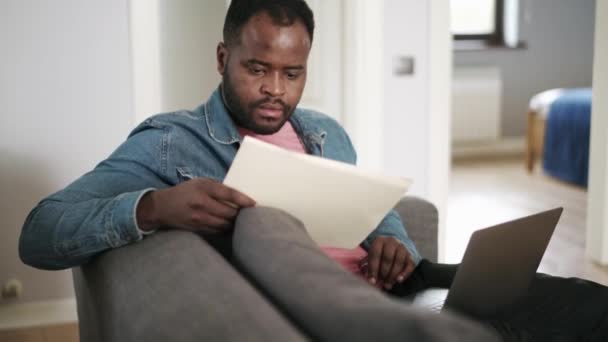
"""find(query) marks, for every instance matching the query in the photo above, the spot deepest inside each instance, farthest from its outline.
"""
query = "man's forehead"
(261, 33)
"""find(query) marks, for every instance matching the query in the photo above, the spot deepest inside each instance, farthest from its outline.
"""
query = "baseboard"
(34, 314)
(510, 146)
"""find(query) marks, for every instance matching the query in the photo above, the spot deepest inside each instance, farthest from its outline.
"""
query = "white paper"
(338, 203)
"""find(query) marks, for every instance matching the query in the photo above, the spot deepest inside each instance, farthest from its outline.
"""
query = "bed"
(558, 131)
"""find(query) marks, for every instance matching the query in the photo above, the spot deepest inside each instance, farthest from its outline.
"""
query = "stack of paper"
(338, 203)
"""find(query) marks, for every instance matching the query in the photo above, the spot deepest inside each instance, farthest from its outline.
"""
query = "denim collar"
(223, 130)
(221, 127)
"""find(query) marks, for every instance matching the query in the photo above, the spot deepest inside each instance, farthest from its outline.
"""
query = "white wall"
(597, 221)
(189, 32)
(363, 102)
(324, 81)
(439, 97)
(417, 107)
(65, 104)
(173, 51)
(145, 49)
(406, 33)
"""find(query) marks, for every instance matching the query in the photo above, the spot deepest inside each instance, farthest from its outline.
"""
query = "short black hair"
(282, 12)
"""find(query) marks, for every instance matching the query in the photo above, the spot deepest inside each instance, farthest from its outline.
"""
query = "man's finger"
(207, 222)
(388, 259)
(409, 268)
(223, 193)
(220, 209)
(374, 255)
(401, 259)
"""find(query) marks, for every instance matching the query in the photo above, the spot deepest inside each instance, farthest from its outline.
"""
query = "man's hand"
(200, 205)
(387, 262)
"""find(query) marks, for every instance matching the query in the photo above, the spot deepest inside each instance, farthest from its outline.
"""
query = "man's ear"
(222, 57)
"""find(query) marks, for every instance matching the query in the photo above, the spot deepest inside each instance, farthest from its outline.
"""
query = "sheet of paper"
(338, 203)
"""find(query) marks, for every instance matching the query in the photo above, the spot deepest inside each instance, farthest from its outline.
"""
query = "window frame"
(494, 38)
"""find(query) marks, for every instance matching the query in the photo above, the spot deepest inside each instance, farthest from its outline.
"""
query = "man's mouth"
(271, 111)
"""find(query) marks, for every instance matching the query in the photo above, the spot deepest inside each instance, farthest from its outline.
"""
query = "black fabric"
(427, 274)
(555, 309)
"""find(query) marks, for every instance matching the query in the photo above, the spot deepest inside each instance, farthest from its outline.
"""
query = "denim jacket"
(97, 211)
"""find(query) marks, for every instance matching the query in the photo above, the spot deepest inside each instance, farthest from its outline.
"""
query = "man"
(168, 175)
(261, 88)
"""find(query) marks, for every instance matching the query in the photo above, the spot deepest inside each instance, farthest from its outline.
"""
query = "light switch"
(403, 65)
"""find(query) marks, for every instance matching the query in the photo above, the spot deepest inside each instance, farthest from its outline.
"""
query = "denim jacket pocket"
(185, 173)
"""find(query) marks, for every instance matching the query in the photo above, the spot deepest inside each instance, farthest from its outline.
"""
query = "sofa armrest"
(420, 218)
(113, 290)
(144, 290)
(162, 289)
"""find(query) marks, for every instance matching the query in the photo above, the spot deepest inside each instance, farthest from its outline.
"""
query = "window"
(480, 20)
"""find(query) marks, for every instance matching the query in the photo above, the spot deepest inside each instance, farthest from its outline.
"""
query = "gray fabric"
(172, 286)
(326, 301)
(151, 290)
(420, 219)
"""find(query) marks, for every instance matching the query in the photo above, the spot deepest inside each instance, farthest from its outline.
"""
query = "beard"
(243, 114)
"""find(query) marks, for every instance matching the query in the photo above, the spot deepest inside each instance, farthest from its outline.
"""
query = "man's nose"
(274, 85)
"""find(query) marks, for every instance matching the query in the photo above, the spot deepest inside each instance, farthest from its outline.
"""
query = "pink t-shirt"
(288, 139)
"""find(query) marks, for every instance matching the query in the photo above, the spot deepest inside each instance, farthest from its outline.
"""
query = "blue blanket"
(566, 148)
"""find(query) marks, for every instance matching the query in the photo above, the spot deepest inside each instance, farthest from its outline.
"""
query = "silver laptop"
(497, 269)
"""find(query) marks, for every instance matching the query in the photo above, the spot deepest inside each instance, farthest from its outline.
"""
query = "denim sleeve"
(392, 225)
(97, 211)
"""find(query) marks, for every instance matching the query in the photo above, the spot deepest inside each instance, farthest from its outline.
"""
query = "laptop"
(497, 269)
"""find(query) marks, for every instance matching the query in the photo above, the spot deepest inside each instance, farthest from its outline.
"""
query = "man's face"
(263, 75)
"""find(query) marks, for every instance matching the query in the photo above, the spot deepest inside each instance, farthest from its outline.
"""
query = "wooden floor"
(486, 192)
(54, 333)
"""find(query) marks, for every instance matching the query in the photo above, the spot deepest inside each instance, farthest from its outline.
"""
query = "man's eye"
(292, 76)
(256, 71)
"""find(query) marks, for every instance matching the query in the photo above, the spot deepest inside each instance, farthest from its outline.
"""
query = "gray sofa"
(118, 298)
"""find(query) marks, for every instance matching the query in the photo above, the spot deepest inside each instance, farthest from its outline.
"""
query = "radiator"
(476, 102)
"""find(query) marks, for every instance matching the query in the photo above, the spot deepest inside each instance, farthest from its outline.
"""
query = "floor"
(490, 191)
(53, 333)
